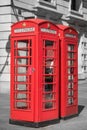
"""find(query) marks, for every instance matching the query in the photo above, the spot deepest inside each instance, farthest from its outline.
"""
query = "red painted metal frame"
(68, 89)
(24, 31)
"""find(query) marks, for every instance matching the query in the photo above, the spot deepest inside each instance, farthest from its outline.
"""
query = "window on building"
(47, 0)
(53, 2)
(85, 56)
(84, 67)
(76, 5)
(73, 4)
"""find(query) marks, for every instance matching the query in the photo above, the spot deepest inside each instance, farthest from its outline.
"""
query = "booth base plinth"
(68, 117)
(33, 124)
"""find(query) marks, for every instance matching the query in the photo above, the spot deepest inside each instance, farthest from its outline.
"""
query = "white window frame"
(80, 10)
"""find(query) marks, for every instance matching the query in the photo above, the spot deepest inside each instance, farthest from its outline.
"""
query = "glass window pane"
(47, 0)
(21, 87)
(48, 96)
(70, 93)
(70, 62)
(21, 96)
(49, 52)
(70, 70)
(70, 85)
(22, 43)
(70, 55)
(21, 61)
(49, 78)
(21, 105)
(49, 59)
(49, 62)
(21, 78)
(70, 47)
(48, 87)
(48, 43)
(22, 53)
(70, 77)
(48, 105)
(70, 101)
(21, 70)
(48, 70)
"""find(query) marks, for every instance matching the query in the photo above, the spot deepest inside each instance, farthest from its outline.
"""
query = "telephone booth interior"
(34, 73)
(68, 46)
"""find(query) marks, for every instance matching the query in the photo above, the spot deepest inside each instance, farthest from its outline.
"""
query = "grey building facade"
(67, 12)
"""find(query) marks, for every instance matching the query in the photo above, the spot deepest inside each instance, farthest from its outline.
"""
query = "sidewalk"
(77, 123)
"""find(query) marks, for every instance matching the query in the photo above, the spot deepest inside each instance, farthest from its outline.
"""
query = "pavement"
(76, 123)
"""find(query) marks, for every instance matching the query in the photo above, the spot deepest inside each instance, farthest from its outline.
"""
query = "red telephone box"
(34, 73)
(68, 71)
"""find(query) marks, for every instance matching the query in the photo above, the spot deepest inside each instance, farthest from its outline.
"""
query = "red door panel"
(49, 102)
(22, 80)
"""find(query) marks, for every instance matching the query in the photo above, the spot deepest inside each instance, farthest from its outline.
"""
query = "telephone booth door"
(23, 77)
(34, 73)
(68, 71)
(49, 106)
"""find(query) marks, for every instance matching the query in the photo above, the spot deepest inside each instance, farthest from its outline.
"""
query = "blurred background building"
(66, 12)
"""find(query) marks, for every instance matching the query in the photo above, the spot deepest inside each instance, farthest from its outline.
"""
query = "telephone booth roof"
(64, 28)
(67, 31)
(33, 26)
(36, 21)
